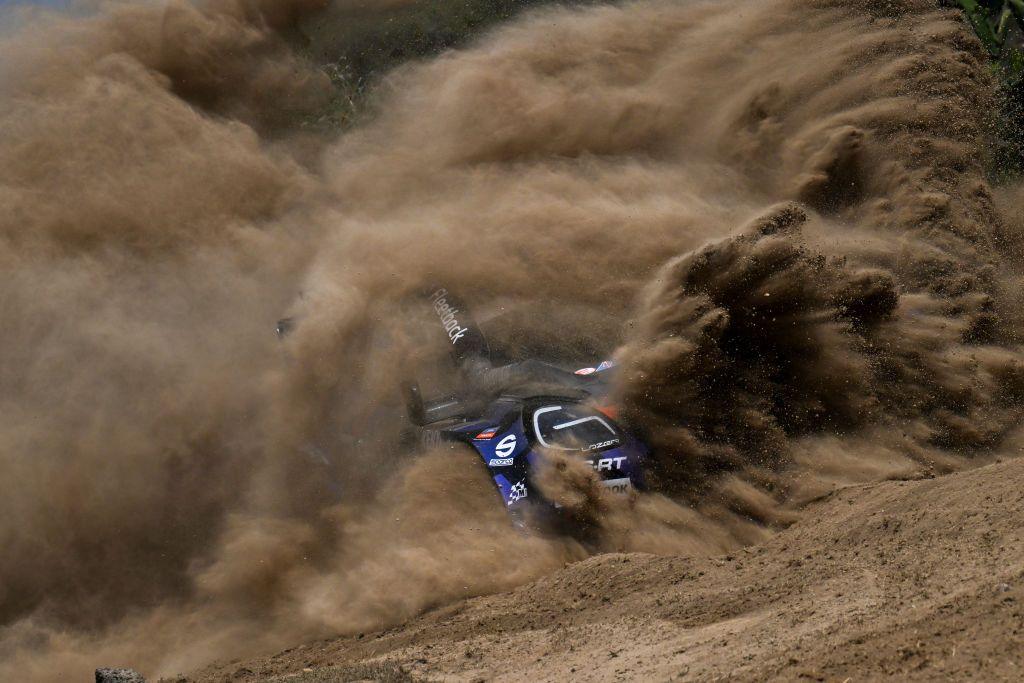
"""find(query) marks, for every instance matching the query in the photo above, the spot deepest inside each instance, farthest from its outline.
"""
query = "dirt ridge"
(919, 579)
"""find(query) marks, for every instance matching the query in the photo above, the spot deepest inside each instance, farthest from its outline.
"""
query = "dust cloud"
(773, 214)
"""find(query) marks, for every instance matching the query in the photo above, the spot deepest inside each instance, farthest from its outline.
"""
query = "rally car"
(517, 414)
(513, 415)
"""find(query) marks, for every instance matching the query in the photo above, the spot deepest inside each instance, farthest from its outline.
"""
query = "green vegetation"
(991, 21)
(357, 44)
(999, 25)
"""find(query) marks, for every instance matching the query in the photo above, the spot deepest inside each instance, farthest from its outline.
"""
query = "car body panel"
(511, 449)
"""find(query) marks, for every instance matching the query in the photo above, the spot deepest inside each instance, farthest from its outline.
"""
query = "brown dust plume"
(773, 214)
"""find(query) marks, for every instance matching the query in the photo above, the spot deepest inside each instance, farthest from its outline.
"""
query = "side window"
(572, 428)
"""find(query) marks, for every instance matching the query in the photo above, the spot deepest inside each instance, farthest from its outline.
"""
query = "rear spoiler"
(467, 341)
(467, 347)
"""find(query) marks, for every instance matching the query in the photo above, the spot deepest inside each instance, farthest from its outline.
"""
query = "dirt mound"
(874, 581)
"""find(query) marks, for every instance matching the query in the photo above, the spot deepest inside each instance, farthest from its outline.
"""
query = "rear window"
(573, 428)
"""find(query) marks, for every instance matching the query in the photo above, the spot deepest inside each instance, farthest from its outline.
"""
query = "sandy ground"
(919, 580)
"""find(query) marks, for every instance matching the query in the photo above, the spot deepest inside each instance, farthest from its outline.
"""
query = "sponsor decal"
(500, 462)
(600, 368)
(623, 485)
(603, 444)
(446, 312)
(518, 492)
(609, 464)
(505, 446)
(487, 434)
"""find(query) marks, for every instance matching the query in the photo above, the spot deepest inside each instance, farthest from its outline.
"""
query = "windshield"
(573, 428)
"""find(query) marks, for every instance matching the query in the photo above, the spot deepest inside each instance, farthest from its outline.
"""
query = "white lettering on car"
(609, 464)
(623, 485)
(447, 314)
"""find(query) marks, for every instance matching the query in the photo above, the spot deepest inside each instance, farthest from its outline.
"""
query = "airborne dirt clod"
(774, 215)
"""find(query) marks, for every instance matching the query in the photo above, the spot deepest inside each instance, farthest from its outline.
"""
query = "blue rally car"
(515, 415)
